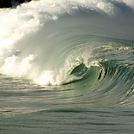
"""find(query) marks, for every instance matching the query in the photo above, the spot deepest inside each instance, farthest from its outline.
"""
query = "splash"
(47, 41)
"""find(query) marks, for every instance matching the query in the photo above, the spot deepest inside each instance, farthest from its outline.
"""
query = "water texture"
(67, 66)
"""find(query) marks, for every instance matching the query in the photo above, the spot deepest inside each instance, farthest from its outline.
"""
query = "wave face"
(85, 46)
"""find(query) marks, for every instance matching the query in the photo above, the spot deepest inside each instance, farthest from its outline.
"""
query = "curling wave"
(86, 45)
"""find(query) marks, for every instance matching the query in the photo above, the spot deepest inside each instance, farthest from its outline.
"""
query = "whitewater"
(67, 66)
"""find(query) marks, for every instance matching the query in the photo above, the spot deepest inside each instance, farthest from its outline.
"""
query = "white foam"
(18, 58)
(16, 68)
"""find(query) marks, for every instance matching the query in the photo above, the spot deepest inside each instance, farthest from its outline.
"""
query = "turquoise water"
(67, 67)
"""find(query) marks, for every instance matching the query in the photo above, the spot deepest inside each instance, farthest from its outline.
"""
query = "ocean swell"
(84, 45)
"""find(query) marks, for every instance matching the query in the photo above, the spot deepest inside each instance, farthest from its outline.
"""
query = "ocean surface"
(67, 67)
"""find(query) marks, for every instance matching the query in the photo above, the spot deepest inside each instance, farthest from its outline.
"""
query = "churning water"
(67, 66)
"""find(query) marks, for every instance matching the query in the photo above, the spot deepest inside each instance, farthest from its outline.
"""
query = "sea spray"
(42, 40)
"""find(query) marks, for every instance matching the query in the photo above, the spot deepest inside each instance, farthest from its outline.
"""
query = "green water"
(67, 67)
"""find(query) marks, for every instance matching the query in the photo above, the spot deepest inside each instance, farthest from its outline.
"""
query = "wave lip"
(86, 46)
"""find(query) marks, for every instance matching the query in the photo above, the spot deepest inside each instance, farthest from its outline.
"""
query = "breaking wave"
(86, 44)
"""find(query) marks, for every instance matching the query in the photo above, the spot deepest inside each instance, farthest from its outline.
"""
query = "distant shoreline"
(11, 3)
